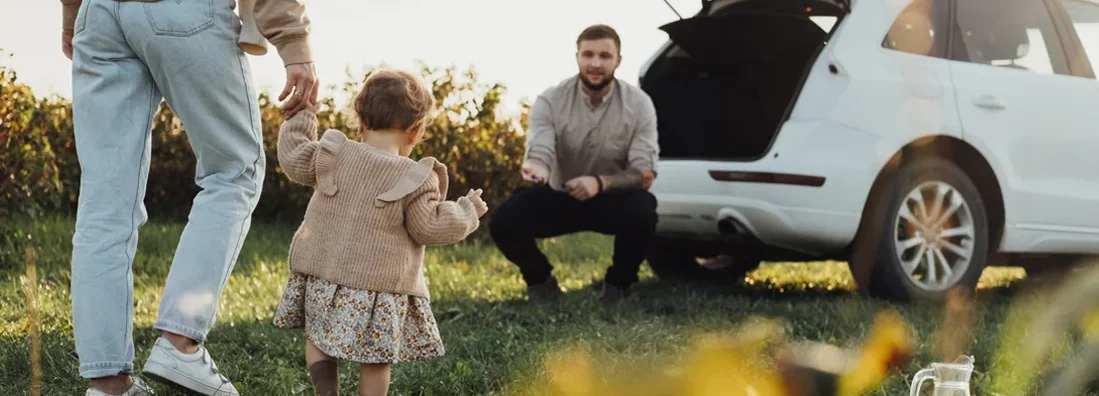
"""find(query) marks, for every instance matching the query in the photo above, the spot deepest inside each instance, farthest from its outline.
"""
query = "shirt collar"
(587, 98)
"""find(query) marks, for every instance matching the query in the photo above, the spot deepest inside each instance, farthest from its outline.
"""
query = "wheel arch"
(949, 148)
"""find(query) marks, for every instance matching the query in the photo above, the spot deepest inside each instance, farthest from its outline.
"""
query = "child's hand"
(315, 109)
(474, 196)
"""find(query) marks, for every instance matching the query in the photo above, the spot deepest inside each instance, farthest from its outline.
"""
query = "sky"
(528, 45)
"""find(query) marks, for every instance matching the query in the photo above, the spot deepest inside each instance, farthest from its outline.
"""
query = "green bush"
(39, 172)
(38, 169)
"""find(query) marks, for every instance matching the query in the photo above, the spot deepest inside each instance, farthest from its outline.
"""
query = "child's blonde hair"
(393, 100)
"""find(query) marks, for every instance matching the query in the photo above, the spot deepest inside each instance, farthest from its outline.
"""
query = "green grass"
(495, 343)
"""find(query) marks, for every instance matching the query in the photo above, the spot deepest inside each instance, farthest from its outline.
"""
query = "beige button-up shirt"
(577, 139)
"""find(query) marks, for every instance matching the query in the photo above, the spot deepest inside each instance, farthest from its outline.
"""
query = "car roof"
(816, 7)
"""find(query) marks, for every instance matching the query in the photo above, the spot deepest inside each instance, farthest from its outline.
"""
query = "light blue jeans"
(127, 57)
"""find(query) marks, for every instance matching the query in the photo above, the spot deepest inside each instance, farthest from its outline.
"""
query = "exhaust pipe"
(727, 224)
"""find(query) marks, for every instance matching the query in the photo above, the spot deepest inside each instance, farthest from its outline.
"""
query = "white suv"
(918, 140)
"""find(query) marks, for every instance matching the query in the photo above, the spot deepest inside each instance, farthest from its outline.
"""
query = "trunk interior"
(723, 88)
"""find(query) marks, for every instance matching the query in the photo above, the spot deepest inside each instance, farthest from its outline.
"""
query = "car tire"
(920, 256)
(672, 261)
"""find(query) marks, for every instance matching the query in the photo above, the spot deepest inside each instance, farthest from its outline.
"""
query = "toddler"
(357, 280)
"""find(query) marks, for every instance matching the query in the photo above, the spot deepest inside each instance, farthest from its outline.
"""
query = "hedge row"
(39, 172)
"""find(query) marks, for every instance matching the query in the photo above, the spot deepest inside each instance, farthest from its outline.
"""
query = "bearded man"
(590, 159)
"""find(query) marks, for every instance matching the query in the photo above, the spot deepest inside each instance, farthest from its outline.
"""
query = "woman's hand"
(301, 81)
(67, 43)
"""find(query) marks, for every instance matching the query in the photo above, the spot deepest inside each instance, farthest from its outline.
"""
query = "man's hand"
(67, 43)
(583, 188)
(301, 82)
(647, 179)
(534, 171)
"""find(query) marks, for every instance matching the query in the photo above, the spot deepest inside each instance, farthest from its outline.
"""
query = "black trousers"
(541, 212)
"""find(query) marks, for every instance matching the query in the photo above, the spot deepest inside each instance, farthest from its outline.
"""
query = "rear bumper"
(805, 195)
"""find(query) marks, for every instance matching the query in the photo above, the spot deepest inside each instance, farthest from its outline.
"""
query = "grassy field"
(495, 342)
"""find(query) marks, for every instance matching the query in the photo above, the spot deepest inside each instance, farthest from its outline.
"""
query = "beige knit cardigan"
(372, 212)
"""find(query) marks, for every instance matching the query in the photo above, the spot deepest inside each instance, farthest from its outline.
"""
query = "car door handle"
(989, 102)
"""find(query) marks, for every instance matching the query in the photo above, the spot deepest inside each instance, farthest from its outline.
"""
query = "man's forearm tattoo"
(630, 179)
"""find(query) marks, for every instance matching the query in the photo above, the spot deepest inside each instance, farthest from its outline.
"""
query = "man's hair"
(599, 32)
(393, 99)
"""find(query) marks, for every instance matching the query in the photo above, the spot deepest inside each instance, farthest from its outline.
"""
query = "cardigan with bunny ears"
(372, 212)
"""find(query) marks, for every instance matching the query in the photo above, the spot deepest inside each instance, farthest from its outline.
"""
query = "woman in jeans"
(127, 56)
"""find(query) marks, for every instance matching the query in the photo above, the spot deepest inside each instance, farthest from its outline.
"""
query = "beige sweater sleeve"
(285, 24)
(298, 146)
(69, 9)
(432, 220)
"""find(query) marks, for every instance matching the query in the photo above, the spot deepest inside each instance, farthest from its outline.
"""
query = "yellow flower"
(1089, 324)
(570, 372)
(889, 346)
(735, 366)
(716, 366)
(724, 365)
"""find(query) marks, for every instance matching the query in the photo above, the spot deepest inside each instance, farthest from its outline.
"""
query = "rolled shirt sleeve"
(542, 136)
(644, 148)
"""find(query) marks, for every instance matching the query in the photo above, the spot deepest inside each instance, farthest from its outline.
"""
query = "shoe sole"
(174, 384)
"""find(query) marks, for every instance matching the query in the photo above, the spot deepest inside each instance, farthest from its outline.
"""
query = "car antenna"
(673, 9)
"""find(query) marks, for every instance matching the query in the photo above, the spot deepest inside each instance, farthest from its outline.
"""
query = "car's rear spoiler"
(745, 35)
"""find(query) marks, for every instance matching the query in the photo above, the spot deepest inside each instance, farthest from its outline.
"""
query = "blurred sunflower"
(732, 366)
(1054, 328)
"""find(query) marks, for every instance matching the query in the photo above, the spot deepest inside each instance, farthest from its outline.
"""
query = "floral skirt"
(359, 325)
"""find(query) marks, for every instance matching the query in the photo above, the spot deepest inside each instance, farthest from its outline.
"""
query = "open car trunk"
(722, 89)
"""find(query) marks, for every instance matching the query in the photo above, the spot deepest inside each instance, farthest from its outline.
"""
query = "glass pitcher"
(951, 379)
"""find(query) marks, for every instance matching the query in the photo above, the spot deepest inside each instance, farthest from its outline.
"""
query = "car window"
(1017, 34)
(920, 29)
(1085, 20)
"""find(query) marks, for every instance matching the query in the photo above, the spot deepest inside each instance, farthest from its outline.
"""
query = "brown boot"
(545, 292)
(612, 293)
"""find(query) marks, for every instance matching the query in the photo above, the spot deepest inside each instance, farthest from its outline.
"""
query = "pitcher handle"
(919, 378)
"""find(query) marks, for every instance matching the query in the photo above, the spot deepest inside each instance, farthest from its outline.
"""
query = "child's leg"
(373, 379)
(323, 370)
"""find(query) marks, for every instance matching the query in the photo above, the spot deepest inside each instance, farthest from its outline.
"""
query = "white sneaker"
(137, 389)
(195, 372)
